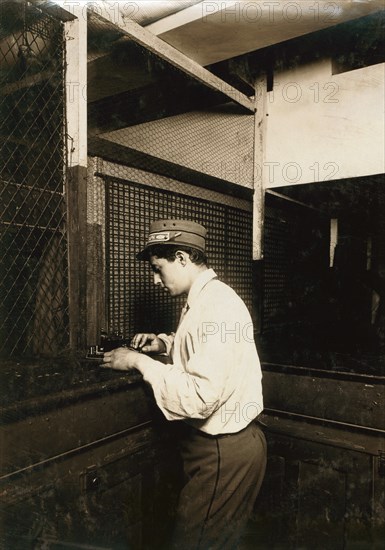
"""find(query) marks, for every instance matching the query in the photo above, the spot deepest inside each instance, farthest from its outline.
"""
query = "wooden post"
(76, 188)
(259, 157)
(259, 195)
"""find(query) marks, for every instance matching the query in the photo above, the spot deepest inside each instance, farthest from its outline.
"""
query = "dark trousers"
(223, 475)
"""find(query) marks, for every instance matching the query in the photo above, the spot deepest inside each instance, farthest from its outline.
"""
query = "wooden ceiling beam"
(177, 59)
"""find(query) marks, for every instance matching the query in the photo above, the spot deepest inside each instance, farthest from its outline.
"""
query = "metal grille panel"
(33, 264)
(134, 304)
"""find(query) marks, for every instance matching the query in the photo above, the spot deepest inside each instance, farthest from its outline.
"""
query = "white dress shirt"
(214, 381)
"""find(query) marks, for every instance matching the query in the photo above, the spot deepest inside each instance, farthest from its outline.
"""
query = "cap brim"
(143, 254)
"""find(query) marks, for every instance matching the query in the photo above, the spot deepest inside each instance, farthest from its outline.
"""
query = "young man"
(213, 384)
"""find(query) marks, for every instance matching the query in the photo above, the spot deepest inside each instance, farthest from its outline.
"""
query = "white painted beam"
(259, 158)
(185, 64)
(180, 61)
(215, 30)
(76, 87)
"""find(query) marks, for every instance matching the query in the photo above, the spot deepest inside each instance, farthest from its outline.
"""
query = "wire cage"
(125, 200)
(162, 145)
(133, 303)
(33, 242)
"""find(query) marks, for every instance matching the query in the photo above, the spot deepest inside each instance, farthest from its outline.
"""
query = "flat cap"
(175, 232)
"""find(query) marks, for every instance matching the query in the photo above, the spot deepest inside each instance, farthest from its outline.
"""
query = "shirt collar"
(201, 281)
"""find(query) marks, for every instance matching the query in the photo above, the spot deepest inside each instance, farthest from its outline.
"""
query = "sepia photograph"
(192, 275)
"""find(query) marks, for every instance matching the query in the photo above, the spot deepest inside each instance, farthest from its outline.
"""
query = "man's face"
(170, 275)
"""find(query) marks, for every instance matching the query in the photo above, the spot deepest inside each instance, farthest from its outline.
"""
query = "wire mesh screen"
(277, 283)
(217, 141)
(33, 264)
(134, 304)
(296, 259)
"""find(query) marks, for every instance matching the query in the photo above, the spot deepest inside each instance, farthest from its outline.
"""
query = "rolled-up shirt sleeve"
(168, 340)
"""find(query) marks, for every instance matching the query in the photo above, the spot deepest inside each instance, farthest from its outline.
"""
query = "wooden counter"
(86, 458)
(325, 481)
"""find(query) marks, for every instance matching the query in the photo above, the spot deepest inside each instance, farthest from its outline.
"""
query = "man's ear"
(181, 257)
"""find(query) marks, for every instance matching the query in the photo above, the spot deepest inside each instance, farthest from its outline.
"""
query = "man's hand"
(149, 343)
(121, 359)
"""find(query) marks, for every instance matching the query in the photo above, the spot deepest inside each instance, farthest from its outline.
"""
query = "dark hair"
(167, 251)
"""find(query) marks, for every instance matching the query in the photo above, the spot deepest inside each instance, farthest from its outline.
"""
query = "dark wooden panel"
(48, 435)
(319, 493)
(77, 219)
(353, 399)
(115, 495)
(321, 503)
